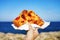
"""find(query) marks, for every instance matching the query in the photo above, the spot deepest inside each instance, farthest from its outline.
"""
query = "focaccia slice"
(27, 16)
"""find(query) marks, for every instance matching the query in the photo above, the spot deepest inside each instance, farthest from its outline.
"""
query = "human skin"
(32, 33)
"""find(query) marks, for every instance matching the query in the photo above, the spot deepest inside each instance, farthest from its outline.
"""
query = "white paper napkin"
(26, 26)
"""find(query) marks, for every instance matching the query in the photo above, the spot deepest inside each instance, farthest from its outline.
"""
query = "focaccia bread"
(27, 16)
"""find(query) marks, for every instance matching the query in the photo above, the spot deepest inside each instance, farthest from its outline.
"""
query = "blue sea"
(7, 28)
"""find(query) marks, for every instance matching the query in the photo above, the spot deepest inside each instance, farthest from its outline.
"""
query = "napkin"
(26, 26)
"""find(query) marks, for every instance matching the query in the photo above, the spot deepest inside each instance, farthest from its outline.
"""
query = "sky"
(48, 10)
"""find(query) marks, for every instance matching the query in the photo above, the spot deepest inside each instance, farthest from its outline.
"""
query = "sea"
(6, 27)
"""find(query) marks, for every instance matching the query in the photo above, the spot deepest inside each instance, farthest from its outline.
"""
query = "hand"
(32, 33)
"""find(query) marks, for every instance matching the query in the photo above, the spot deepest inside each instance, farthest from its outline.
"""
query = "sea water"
(7, 28)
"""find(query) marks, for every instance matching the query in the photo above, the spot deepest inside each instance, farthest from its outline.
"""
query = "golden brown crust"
(28, 16)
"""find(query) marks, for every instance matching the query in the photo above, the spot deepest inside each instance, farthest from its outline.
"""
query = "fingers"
(36, 31)
(30, 27)
(32, 33)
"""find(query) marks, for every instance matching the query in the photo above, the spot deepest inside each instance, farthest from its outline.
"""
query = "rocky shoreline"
(42, 36)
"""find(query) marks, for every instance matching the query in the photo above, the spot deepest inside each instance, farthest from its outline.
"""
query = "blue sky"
(48, 10)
